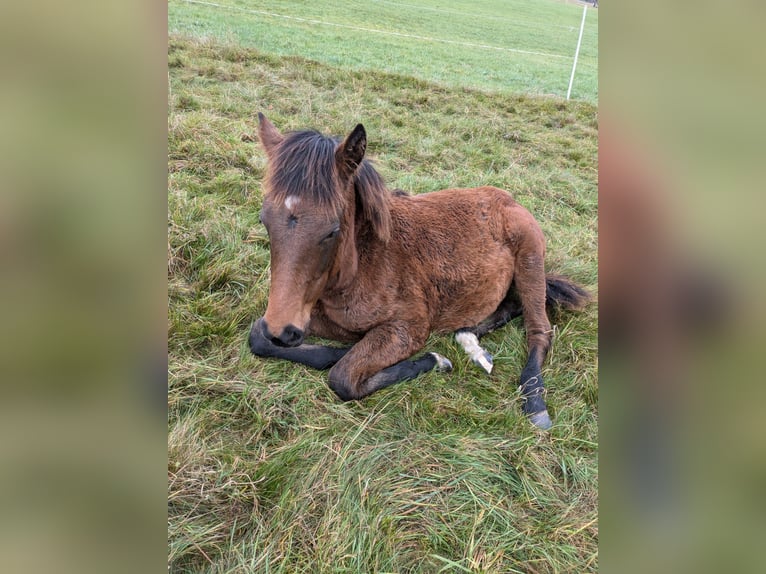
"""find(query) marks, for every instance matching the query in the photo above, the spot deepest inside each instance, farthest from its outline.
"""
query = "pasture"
(267, 470)
(493, 45)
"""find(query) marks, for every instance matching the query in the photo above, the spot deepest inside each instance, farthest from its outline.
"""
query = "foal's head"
(312, 187)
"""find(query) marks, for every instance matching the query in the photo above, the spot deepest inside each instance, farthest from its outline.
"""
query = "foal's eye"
(332, 235)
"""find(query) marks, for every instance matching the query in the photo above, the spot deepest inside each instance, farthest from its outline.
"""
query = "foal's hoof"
(443, 364)
(541, 420)
(484, 360)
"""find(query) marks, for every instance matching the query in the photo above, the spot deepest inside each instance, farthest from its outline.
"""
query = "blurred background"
(82, 334)
(82, 102)
(681, 142)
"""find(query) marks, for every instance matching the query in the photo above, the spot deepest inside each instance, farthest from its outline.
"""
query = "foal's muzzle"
(291, 336)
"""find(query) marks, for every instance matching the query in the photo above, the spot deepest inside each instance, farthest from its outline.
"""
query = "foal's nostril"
(264, 329)
(292, 336)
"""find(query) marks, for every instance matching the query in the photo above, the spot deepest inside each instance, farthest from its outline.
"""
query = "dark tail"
(561, 293)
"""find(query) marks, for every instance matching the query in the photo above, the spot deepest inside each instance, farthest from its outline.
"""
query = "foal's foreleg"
(316, 356)
(381, 359)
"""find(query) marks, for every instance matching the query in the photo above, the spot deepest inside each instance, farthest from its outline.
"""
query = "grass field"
(267, 470)
(524, 46)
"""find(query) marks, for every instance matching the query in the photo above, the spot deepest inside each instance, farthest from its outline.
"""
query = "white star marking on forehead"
(291, 201)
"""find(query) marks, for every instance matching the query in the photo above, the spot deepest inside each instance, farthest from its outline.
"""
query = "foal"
(355, 262)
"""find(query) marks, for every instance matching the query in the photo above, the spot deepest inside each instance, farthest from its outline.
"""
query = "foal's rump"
(464, 245)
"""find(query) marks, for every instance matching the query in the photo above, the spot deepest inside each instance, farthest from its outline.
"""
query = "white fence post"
(577, 51)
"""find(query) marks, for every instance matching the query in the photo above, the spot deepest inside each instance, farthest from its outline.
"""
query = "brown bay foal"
(355, 262)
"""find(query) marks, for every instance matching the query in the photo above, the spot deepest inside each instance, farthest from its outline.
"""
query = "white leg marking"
(442, 363)
(470, 344)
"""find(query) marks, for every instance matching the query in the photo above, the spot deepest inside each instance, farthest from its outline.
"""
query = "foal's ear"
(269, 135)
(351, 152)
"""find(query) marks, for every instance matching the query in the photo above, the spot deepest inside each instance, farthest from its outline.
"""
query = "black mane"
(304, 166)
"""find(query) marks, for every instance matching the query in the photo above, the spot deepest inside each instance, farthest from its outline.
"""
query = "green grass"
(268, 471)
(522, 46)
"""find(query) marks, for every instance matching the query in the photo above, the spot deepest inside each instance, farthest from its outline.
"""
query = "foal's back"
(454, 253)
